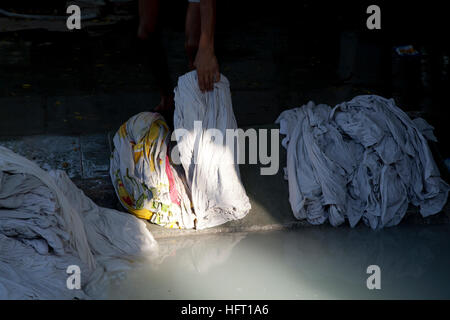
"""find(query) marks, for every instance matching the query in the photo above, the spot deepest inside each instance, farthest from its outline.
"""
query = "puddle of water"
(311, 263)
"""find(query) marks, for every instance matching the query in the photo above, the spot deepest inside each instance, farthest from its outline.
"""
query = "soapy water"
(309, 263)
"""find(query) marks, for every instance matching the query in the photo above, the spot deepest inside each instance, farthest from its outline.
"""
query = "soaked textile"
(47, 225)
(146, 182)
(361, 160)
(210, 165)
(203, 189)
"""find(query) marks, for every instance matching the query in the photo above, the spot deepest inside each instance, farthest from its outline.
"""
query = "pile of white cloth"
(363, 159)
(47, 224)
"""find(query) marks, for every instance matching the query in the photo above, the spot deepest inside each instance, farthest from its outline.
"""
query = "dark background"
(276, 54)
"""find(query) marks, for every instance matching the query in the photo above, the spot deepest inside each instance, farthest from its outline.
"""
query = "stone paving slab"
(95, 155)
(50, 152)
(13, 25)
(255, 107)
(89, 114)
(96, 113)
(22, 115)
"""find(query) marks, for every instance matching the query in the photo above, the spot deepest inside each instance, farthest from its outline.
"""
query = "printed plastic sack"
(144, 179)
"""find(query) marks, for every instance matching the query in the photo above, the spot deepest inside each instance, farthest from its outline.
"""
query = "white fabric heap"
(47, 224)
(363, 159)
(212, 173)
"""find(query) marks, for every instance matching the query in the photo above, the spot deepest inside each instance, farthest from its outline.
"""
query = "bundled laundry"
(47, 225)
(204, 188)
(146, 183)
(361, 160)
(211, 168)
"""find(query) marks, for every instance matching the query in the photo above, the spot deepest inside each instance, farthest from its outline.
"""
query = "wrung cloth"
(209, 162)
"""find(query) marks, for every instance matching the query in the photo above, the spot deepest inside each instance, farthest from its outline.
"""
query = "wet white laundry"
(212, 173)
(47, 224)
(361, 160)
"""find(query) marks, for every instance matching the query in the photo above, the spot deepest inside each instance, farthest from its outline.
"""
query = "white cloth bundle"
(363, 159)
(47, 224)
(211, 169)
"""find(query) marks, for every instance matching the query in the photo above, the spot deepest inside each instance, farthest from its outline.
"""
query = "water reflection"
(412, 260)
(310, 263)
